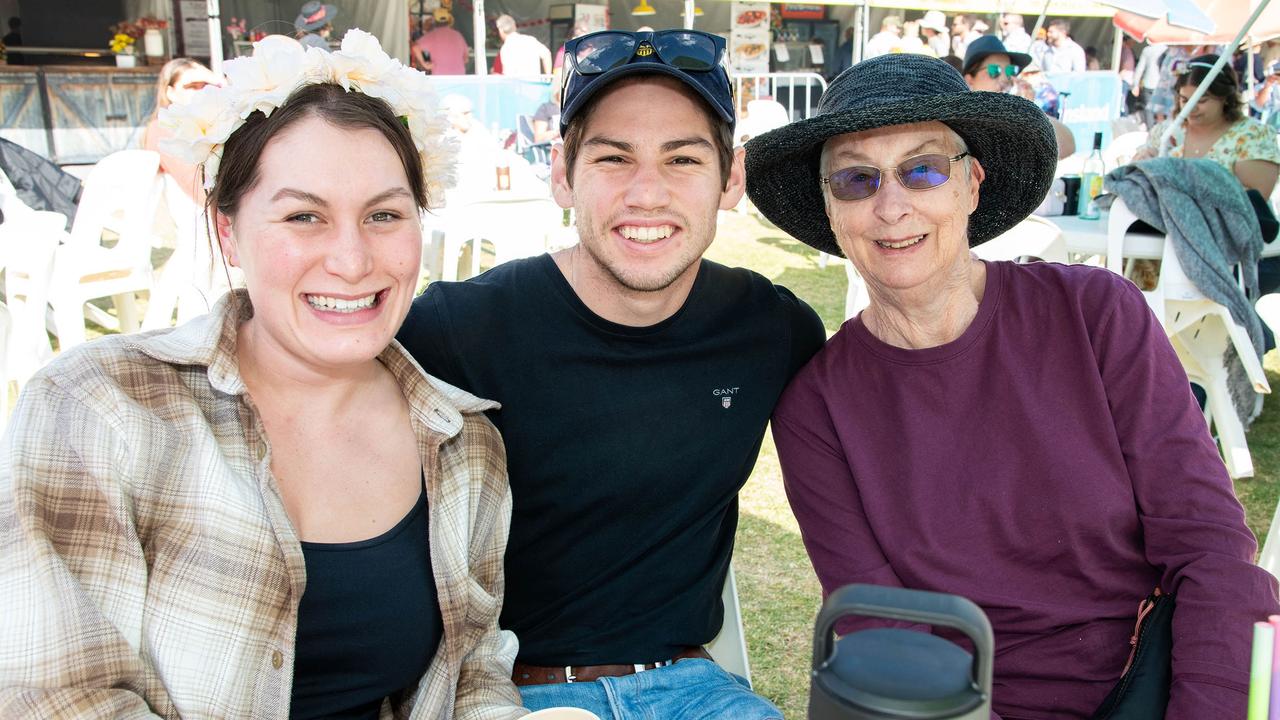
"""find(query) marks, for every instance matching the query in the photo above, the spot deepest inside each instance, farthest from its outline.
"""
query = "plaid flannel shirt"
(148, 567)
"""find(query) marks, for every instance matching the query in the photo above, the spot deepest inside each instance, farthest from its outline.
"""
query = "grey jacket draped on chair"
(1204, 210)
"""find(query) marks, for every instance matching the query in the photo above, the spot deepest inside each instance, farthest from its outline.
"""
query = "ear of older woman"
(330, 245)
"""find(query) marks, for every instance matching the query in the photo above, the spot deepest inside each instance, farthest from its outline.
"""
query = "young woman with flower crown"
(270, 511)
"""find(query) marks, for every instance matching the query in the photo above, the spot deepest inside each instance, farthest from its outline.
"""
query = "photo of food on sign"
(751, 18)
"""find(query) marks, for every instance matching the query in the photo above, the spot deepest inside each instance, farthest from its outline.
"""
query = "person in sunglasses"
(1022, 435)
(989, 66)
(636, 379)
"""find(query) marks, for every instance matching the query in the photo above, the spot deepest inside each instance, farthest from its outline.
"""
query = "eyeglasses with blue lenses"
(688, 50)
(922, 172)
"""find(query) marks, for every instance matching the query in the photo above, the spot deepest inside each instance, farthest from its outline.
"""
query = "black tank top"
(368, 623)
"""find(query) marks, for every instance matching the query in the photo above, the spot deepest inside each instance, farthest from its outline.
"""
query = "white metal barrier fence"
(797, 92)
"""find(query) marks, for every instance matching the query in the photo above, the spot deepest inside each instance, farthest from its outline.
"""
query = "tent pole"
(866, 31)
(1190, 104)
(215, 36)
(1117, 46)
(1248, 67)
(1040, 20)
(477, 37)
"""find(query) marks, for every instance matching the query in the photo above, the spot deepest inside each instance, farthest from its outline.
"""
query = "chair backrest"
(1034, 237)
(27, 246)
(121, 194)
(768, 114)
(1122, 148)
(10, 204)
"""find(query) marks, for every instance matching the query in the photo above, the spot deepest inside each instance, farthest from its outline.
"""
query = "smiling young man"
(635, 378)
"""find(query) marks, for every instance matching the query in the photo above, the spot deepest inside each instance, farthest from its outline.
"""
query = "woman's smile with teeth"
(332, 304)
(647, 233)
(899, 244)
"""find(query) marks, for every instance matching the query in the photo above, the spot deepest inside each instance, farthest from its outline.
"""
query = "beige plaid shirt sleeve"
(147, 566)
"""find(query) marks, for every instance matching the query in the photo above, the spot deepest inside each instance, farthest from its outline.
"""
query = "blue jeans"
(692, 689)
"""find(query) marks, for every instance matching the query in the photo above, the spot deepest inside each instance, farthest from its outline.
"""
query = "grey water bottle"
(892, 673)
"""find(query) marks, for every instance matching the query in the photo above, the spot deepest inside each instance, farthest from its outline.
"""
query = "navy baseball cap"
(593, 61)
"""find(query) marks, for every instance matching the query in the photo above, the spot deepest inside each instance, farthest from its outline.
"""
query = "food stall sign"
(791, 11)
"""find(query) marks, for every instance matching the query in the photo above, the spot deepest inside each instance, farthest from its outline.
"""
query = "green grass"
(776, 585)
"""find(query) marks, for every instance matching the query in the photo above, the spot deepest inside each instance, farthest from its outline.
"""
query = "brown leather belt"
(523, 674)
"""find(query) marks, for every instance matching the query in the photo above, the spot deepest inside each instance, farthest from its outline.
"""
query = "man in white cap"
(934, 28)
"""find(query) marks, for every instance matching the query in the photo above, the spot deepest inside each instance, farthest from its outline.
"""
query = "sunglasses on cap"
(1010, 70)
(694, 57)
(922, 172)
(688, 50)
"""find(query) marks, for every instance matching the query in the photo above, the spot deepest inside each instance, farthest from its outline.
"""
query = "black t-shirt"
(626, 446)
(369, 621)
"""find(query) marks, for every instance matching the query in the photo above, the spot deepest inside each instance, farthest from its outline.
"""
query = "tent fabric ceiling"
(1229, 15)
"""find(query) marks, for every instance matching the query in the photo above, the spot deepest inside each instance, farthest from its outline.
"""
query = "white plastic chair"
(1268, 308)
(191, 279)
(120, 194)
(729, 648)
(1034, 237)
(1121, 149)
(856, 298)
(1200, 331)
(518, 227)
(27, 246)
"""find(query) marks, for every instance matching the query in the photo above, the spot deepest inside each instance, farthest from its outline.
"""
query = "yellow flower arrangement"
(122, 44)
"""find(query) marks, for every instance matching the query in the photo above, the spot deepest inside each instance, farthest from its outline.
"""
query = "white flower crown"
(279, 66)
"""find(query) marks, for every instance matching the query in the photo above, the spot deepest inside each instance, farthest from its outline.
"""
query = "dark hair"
(15, 22)
(954, 61)
(1224, 87)
(1065, 25)
(238, 169)
(721, 132)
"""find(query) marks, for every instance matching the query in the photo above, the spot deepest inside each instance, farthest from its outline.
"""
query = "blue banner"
(1095, 100)
(495, 99)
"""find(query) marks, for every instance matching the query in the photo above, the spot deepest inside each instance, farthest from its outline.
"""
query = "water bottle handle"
(918, 606)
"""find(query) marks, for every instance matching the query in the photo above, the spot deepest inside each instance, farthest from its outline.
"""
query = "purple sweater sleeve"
(1192, 525)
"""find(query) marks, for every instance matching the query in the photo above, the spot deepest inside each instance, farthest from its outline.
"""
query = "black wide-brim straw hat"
(314, 15)
(1010, 136)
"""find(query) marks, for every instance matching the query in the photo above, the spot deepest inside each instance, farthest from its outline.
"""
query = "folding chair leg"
(1235, 448)
(127, 312)
(68, 319)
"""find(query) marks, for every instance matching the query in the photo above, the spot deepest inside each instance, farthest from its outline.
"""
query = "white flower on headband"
(279, 66)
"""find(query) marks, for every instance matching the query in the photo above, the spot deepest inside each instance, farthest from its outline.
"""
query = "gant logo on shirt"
(725, 395)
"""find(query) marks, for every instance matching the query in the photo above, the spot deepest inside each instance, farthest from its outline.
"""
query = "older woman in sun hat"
(1022, 435)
